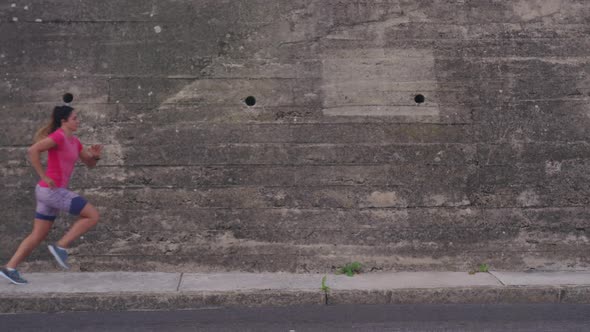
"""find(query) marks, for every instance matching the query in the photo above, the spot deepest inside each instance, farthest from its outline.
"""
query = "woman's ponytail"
(43, 131)
(59, 113)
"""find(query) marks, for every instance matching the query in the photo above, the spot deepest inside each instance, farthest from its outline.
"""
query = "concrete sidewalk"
(50, 292)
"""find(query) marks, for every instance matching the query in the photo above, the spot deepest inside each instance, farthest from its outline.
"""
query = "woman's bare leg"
(40, 230)
(88, 219)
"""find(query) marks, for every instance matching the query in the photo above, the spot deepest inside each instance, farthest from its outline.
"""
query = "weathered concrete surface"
(114, 291)
(99, 282)
(542, 278)
(336, 161)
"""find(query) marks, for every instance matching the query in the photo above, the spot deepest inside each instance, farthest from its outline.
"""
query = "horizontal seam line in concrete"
(413, 207)
(442, 41)
(376, 187)
(400, 144)
(299, 167)
(294, 165)
(383, 105)
(468, 161)
(282, 125)
(312, 229)
(291, 290)
(175, 76)
(512, 101)
(296, 144)
(306, 290)
(318, 61)
(364, 209)
(183, 104)
(449, 79)
(574, 161)
(63, 21)
(381, 226)
(316, 107)
(310, 255)
(202, 187)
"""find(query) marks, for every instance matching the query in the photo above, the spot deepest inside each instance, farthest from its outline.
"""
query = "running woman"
(64, 149)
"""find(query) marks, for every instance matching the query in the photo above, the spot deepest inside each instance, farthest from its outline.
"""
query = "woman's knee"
(37, 237)
(91, 213)
(40, 230)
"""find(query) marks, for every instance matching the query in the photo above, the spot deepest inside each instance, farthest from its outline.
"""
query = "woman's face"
(72, 122)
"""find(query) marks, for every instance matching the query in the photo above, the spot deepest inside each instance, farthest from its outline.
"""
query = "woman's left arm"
(91, 156)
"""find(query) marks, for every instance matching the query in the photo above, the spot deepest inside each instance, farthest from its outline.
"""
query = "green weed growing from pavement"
(325, 287)
(350, 269)
(483, 268)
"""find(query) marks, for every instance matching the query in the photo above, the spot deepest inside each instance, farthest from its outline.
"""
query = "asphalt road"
(538, 318)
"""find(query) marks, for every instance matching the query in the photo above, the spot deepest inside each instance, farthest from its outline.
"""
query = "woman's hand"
(91, 155)
(96, 150)
(49, 182)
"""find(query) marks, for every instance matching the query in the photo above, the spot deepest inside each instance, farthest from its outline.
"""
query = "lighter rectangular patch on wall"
(379, 82)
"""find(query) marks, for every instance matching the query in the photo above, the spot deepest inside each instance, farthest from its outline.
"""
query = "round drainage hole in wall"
(250, 101)
(419, 99)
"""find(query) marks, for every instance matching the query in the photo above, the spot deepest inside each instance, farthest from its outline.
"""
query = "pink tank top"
(62, 158)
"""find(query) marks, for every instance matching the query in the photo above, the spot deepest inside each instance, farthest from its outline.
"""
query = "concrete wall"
(335, 162)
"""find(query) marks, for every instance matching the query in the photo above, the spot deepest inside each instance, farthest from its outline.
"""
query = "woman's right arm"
(35, 156)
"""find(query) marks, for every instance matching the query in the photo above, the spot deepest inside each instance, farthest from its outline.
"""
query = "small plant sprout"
(325, 287)
(482, 268)
(350, 269)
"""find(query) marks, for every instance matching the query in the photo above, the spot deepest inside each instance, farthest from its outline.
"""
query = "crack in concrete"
(497, 278)
(179, 281)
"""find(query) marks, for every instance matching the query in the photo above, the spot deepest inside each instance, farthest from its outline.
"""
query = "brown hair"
(60, 113)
